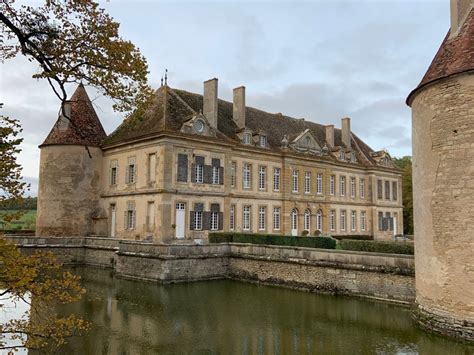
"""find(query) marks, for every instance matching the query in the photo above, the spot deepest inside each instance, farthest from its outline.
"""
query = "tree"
(405, 164)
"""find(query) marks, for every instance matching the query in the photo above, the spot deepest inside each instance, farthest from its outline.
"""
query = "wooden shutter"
(127, 174)
(199, 160)
(193, 172)
(206, 220)
(125, 220)
(207, 178)
(216, 162)
(221, 175)
(215, 207)
(191, 220)
(199, 207)
(221, 221)
(182, 175)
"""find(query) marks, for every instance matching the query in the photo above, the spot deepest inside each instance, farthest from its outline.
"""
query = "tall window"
(353, 187)
(380, 220)
(394, 190)
(362, 188)
(342, 185)
(294, 219)
(319, 220)
(247, 176)
(246, 219)
(214, 221)
(151, 167)
(199, 170)
(343, 220)
(295, 180)
(307, 220)
(232, 217)
(262, 216)
(215, 175)
(307, 182)
(332, 220)
(379, 189)
(130, 216)
(276, 218)
(363, 220)
(233, 171)
(319, 183)
(389, 221)
(332, 185)
(198, 220)
(387, 190)
(262, 177)
(276, 179)
(113, 172)
(353, 220)
(131, 172)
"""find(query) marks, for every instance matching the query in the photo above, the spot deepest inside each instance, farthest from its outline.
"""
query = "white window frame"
(215, 175)
(294, 219)
(131, 170)
(276, 218)
(319, 220)
(319, 183)
(295, 178)
(353, 220)
(363, 220)
(233, 171)
(276, 179)
(332, 185)
(247, 139)
(199, 173)
(307, 182)
(198, 220)
(263, 140)
(342, 185)
(353, 186)
(232, 217)
(262, 218)
(343, 220)
(332, 220)
(113, 172)
(131, 216)
(247, 218)
(307, 220)
(247, 176)
(262, 178)
(214, 221)
(362, 188)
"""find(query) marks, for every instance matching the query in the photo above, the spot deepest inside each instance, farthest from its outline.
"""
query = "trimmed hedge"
(353, 237)
(378, 247)
(272, 239)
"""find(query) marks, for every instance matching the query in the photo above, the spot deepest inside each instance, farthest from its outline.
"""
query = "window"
(262, 177)
(387, 190)
(131, 171)
(363, 220)
(319, 184)
(130, 216)
(199, 170)
(262, 216)
(394, 190)
(353, 187)
(353, 220)
(262, 140)
(295, 180)
(342, 185)
(353, 158)
(246, 219)
(276, 218)
(233, 170)
(294, 219)
(362, 188)
(341, 155)
(198, 220)
(332, 185)
(319, 220)
(307, 182)
(214, 221)
(379, 189)
(232, 217)
(113, 172)
(247, 138)
(247, 176)
(215, 175)
(380, 220)
(389, 221)
(307, 220)
(151, 168)
(343, 220)
(332, 220)
(276, 179)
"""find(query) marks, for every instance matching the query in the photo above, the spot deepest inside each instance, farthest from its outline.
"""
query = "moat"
(230, 317)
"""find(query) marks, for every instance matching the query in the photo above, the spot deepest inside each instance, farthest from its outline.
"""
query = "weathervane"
(166, 77)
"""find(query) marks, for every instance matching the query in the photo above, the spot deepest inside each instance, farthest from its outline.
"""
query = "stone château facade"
(190, 163)
(443, 181)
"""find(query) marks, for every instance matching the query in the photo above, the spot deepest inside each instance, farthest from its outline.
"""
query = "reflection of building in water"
(193, 163)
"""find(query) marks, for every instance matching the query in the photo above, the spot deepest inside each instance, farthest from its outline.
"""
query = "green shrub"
(378, 247)
(271, 239)
(354, 237)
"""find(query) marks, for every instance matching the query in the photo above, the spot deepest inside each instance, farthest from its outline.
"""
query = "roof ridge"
(181, 100)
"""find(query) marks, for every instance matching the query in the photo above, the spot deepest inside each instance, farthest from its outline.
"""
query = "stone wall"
(387, 277)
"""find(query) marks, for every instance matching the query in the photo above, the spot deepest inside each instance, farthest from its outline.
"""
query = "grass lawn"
(26, 221)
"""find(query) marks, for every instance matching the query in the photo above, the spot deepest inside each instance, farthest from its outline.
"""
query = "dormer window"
(262, 140)
(199, 126)
(247, 138)
(342, 155)
(353, 158)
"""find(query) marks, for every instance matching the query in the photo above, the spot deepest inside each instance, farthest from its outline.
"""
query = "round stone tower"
(70, 170)
(443, 181)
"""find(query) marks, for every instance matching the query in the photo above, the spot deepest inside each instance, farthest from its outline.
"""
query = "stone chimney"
(239, 106)
(330, 135)
(346, 131)
(210, 102)
(459, 11)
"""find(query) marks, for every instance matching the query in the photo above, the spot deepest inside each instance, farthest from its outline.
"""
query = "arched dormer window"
(247, 138)
(342, 155)
(262, 140)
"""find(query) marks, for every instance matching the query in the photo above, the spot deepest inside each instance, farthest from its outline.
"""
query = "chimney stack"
(459, 11)
(330, 135)
(346, 131)
(239, 106)
(210, 102)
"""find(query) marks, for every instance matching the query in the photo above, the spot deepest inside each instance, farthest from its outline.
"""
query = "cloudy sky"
(321, 60)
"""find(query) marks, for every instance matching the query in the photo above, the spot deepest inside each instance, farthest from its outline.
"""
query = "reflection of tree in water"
(233, 317)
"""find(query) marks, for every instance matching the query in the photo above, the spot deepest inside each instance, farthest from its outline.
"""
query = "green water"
(230, 317)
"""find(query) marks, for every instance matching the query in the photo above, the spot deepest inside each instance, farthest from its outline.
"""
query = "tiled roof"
(455, 55)
(84, 127)
(172, 107)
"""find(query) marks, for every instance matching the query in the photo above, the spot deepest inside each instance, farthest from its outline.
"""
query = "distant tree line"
(26, 203)
(405, 164)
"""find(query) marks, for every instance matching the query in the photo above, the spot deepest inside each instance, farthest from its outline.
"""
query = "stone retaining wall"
(388, 277)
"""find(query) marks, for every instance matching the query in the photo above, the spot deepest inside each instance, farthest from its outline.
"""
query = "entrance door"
(180, 219)
(294, 222)
(113, 218)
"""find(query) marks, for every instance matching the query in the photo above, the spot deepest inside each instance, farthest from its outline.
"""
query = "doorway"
(180, 220)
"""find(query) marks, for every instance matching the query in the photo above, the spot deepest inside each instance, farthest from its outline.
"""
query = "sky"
(318, 60)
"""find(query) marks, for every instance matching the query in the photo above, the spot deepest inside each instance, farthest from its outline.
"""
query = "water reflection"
(227, 317)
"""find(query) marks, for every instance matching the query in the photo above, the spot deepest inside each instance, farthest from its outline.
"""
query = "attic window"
(341, 155)
(263, 140)
(247, 138)
(308, 141)
(353, 158)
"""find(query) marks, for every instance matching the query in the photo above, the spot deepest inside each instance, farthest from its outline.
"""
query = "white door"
(395, 226)
(113, 218)
(294, 222)
(180, 220)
